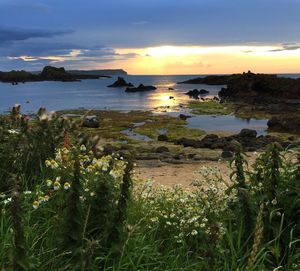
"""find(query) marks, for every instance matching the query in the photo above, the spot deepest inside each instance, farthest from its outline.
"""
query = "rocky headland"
(48, 73)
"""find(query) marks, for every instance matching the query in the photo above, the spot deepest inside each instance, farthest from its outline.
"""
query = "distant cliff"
(98, 72)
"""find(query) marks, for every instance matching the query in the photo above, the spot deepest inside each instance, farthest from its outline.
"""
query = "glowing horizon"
(174, 60)
(211, 59)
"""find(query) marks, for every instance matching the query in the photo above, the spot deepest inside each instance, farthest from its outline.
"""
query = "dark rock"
(121, 82)
(162, 138)
(162, 149)
(261, 88)
(187, 142)
(140, 88)
(193, 93)
(227, 154)
(170, 88)
(178, 156)
(209, 140)
(287, 124)
(91, 122)
(171, 97)
(247, 133)
(184, 117)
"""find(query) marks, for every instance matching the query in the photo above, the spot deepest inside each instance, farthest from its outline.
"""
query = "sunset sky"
(152, 36)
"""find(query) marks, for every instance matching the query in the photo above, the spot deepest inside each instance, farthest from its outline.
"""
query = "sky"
(152, 36)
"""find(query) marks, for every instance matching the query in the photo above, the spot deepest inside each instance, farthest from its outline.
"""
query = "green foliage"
(66, 205)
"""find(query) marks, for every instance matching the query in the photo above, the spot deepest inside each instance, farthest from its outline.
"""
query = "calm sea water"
(95, 94)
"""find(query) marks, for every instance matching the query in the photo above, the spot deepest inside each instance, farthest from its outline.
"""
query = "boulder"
(121, 82)
(184, 117)
(247, 133)
(91, 122)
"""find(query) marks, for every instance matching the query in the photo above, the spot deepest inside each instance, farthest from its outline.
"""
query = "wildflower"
(115, 173)
(90, 168)
(154, 219)
(13, 131)
(6, 201)
(56, 185)
(47, 163)
(194, 232)
(65, 150)
(35, 204)
(48, 182)
(67, 185)
(46, 198)
(40, 199)
(53, 164)
(92, 194)
(274, 201)
(83, 148)
(27, 192)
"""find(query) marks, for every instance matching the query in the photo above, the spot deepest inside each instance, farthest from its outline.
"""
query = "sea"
(94, 94)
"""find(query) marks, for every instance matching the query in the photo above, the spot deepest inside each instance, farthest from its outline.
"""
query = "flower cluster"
(90, 167)
(185, 215)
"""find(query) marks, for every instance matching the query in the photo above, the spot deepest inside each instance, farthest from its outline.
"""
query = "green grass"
(211, 108)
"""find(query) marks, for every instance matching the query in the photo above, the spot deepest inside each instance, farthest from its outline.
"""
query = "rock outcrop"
(195, 93)
(140, 88)
(261, 87)
(121, 82)
(247, 138)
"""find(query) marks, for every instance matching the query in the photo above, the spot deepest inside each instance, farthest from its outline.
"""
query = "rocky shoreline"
(276, 97)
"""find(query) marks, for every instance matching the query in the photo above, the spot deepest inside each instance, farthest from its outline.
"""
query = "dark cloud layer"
(42, 28)
(9, 34)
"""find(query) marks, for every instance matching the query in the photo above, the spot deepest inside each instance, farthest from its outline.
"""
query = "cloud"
(18, 34)
(67, 57)
(287, 47)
